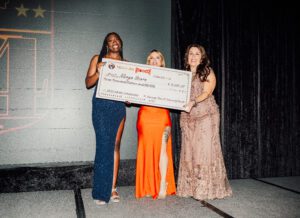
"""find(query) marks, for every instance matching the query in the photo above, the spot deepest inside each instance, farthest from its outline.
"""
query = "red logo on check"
(139, 70)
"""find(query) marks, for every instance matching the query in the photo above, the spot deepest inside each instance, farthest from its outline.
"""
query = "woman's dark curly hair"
(104, 50)
(203, 69)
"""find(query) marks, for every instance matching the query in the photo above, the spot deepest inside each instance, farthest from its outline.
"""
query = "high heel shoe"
(163, 190)
(115, 196)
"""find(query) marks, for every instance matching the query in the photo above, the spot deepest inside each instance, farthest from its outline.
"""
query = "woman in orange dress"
(154, 163)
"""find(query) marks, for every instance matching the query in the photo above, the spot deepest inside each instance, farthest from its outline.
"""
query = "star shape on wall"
(39, 12)
(22, 11)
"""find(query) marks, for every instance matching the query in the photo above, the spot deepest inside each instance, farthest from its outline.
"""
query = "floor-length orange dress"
(151, 123)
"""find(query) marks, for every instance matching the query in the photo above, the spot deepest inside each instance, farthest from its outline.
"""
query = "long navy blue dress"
(107, 116)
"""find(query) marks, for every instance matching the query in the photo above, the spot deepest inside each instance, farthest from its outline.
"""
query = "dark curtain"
(253, 47)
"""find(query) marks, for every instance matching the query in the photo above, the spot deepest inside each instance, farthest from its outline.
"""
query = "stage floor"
(268, 197)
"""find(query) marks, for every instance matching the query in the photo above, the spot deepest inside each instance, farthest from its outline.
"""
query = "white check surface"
(144, 84)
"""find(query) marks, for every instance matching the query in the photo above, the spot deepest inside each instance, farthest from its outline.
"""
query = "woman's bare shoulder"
(94, 59)
(211, 73)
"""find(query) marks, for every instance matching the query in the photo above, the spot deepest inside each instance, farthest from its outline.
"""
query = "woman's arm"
(208, 88)
(92, 74)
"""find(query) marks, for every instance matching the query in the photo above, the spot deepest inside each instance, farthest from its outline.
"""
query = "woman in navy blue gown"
(108, 120)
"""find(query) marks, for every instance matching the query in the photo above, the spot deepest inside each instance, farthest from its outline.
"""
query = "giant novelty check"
(144, 84)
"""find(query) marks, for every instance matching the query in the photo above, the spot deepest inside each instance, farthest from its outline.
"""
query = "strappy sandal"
(163, 191)
(99, 202)
(115, 196)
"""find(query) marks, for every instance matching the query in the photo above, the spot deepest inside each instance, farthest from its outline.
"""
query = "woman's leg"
(163, 162)
(117, 153)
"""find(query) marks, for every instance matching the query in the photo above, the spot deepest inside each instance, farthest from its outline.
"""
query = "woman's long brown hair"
(203, 69)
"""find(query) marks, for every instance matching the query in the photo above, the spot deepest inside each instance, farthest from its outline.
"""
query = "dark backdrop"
(253, 48)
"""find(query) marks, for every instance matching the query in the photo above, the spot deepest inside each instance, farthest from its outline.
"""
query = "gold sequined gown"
(202, 174)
